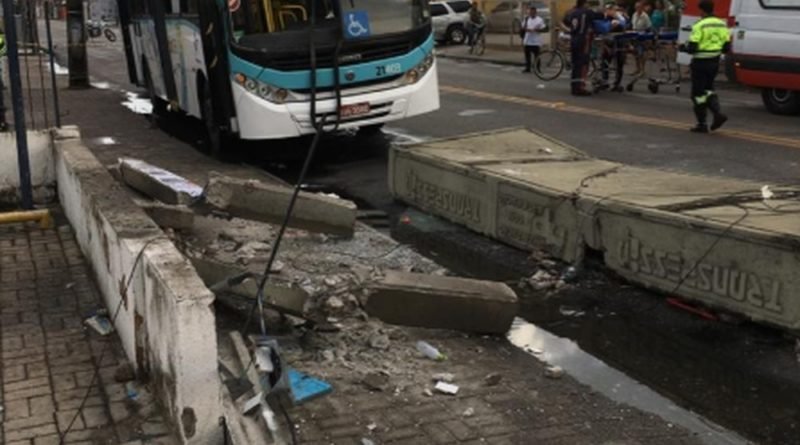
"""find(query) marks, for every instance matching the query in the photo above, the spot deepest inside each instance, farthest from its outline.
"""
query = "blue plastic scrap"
(305, 388)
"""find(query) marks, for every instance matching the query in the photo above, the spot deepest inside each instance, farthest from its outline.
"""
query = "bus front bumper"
(261, 119)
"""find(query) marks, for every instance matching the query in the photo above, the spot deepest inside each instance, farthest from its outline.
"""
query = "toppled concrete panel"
(704, 261)
(485, 202)
(258, 201)
(165, 321)
(514, 145)
(157, 183)
(290, 300)
(173, 217)
(442, 302)
(704, 238)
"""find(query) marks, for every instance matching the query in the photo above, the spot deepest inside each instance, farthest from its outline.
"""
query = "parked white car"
(507, 15)
(449, 20)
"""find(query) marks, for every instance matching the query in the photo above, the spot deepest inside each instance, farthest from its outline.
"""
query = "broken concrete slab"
(430, 301)
(259, 201)
(168, 216)
(290, 300)
(157, 183)
(508, 145)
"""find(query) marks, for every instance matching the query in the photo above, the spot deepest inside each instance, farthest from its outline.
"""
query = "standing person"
(578, 22)
(640, 22)
(710, 38)
(657, 17)
(533, 25)
(477, 21)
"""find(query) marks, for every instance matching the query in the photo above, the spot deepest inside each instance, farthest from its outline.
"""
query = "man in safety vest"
(710, 38)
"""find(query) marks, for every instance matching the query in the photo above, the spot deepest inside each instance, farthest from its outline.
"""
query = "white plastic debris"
(101, 324)
(446, 388)
(372, 426)
(429, 351)
(427, 392)
(469, 412)
(444, 377)
(554, 372)
(766, 193)
(365, 441)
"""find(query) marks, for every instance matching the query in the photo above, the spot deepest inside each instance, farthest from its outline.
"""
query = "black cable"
(289, 422)
(82, 405)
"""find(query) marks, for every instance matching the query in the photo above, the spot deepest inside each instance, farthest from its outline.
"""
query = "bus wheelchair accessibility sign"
(356, 25)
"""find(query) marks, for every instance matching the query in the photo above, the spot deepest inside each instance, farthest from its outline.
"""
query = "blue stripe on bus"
(300, 80)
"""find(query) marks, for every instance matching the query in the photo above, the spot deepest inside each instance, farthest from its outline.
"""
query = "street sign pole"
(23, 162)
(76, 41)
(48, 7)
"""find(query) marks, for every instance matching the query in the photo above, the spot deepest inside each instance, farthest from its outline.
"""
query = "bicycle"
(97, 28)
(478, 46)
(551, 63)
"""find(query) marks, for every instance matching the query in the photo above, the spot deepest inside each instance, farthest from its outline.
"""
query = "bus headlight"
(263, 90)
(413, 75)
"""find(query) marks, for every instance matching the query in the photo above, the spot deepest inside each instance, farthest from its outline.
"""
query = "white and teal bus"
(245, 66)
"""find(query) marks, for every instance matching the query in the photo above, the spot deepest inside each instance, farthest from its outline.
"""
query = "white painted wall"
(166, 321)
(40, 154)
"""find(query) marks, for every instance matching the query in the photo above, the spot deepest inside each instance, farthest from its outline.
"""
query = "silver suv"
(449, 20)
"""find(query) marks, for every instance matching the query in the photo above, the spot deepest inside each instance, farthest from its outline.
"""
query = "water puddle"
(615, 385)
(138, 105)
(105, 140)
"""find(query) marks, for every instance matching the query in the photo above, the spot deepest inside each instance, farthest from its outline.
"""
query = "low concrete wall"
(166, 319)
(43, 176)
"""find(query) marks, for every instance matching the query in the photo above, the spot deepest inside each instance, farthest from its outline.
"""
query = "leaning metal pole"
(18, 106)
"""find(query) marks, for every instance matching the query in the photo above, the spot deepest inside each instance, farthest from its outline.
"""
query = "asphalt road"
(743, 377)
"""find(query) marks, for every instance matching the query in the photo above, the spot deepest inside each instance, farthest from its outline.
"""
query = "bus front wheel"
(779, 101)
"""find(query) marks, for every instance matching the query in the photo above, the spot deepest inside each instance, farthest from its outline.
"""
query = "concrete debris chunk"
(444, 377)
(291, 300)
(469, 412)
(259, 201)
(171, 216)
(554, 372)
(157, 183)
(380, 341)
(429, 301)
(376, 381)
(446, 388)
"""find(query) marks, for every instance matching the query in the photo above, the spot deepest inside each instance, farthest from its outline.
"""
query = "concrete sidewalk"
(49, 357)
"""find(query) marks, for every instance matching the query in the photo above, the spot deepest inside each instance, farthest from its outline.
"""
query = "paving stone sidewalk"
(49, 357)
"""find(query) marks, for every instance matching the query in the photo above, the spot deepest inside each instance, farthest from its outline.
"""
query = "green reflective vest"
(710, 34)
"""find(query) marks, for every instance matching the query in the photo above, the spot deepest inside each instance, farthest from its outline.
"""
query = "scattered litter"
(766, 193)
(570, 274)
(702, 313)
(571, 312)
(405, 220)
(554, 372)
(469, 412)
(131, 391)
(101, 324)
(60, 70)
(305, 388)
(547, 150)
(69, 286)
(334, 303)
(380, 341)
(541, 86)
(541, 280)
(492, 379)
(427, 392)
(446, 388)
(429, 351)
(376, 381)
(444, 377)
(372, 426)
(101, 85)
(365, 441)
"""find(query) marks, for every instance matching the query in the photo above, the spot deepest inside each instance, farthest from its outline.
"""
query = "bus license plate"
(355, 110)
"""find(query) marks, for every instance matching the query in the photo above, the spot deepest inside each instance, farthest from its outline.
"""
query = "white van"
(765, 47)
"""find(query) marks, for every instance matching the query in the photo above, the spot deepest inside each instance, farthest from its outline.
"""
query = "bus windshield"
(358, 18)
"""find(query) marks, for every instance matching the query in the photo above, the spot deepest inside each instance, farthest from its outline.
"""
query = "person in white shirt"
(640, 23)
(532, 40)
